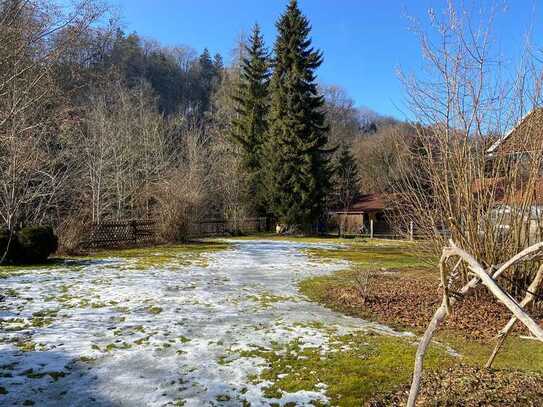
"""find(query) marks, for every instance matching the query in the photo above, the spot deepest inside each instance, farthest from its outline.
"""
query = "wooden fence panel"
(116, 234)
(137, 232)
(220, 227)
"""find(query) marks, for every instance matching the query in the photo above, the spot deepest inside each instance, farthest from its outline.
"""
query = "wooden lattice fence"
(220, 227)
(123, 233)
(140, 232)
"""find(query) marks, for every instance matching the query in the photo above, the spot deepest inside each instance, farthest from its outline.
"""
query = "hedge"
(29, 245)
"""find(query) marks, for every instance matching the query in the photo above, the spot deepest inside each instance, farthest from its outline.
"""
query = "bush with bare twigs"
(450, 185)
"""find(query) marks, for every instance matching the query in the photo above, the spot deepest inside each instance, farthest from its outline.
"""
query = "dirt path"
(111, 333)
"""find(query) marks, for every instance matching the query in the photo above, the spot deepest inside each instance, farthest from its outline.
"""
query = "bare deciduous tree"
(449, 185)
(184, 194)
(30, 106)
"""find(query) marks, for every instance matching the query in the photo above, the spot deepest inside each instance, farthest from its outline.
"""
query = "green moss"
(154, 310)
(266, 300)
(295, 238)
(56, 375)
(374, 254)
(44, 313)
(49, 264)
(13, 325)
(142, 341)
(84, 303)
(86, 359)
(10, 292)
(166, 255)
(33, 375)
(26, 346)
(41, 322)
(192, 253)
(357, 367)
(118, 345)
(224, 360)
(516, 354)
(98, 305)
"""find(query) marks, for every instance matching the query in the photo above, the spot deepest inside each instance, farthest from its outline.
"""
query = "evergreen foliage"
(29, 245)
(208, 74)
(252, 104)
(297, 161)
(346, 178)
(182, 81)
(218, 63)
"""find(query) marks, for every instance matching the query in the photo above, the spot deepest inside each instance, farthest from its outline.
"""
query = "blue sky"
(364, 41)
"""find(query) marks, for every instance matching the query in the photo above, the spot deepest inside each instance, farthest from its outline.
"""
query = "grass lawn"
(142, 257)
(397, 267)
(156, 256)
(352, 368)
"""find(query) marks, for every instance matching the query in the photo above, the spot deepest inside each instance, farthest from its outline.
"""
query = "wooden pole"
(411, 230)
(371, 228)
(502, 335)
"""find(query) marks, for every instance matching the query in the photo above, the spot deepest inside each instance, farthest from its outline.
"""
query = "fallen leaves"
(407, 301)
(472, 387)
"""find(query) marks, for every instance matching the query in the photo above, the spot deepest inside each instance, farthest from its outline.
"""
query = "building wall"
(349, 224)
(359, 223)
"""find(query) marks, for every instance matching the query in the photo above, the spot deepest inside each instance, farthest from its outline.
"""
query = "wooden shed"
(366, 216)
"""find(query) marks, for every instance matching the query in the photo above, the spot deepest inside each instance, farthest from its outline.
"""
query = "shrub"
(28, 245)
(35, 244)
(69, 234)
(4, 242)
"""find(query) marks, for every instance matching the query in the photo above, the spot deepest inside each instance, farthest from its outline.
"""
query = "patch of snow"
(119, 335)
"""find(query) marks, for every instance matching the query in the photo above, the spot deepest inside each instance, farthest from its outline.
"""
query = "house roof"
(512, 195)
(511, 142)
(367, 203)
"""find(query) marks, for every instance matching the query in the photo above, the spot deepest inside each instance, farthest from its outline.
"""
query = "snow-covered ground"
(110, 333)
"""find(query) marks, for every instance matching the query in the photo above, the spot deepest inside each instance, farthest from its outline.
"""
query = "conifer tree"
(252, 103)
(208, 79)
(218, 63)
(346, 179)
(297, 161)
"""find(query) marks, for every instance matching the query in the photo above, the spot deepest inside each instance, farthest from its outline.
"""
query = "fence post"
(411, 230)
(371, 228)
(134, 232)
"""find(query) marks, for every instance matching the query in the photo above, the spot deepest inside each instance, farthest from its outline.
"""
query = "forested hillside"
(98, 124)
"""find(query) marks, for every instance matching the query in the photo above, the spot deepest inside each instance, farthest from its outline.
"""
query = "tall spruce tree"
(252, 104)
(297, 162)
